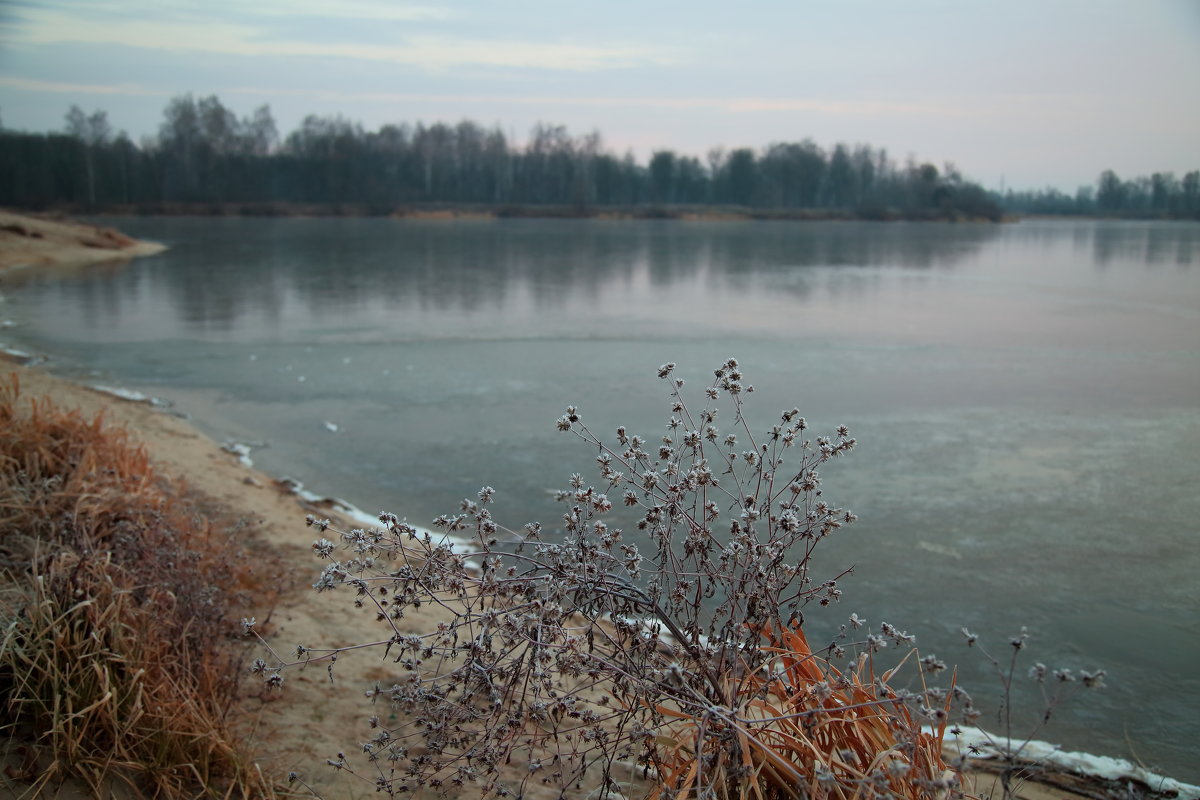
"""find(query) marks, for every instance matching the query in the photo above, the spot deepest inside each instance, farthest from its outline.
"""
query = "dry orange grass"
(805, 731)
(117, 663)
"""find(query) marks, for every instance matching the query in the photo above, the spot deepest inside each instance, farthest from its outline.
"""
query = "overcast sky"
(1028, 92)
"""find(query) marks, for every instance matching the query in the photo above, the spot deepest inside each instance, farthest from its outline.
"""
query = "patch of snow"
(356, 515)
(20, 356)
(132, 395)
(1105, 767)
(239, 449)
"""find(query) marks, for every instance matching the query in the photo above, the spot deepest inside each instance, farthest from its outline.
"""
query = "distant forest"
(205, 158)
(1159, 196)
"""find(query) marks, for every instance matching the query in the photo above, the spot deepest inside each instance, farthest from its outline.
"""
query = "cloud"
(378, 10)
(721, 105)
(844, 108)
(427, 51)
(30, 85)
(99, 11)
(733, 105)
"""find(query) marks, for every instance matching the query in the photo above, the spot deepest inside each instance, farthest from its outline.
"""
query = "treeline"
(205, 154)
(1159, 196)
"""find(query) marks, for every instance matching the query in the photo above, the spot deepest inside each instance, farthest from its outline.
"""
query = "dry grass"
(803, 730)
(117, 663)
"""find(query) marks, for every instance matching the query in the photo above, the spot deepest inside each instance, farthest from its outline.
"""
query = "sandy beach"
(312, 718)
(49, 241)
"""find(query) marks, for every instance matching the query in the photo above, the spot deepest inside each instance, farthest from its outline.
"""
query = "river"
(1026, 398)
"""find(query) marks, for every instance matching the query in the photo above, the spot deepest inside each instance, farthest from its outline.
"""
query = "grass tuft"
(117, 666)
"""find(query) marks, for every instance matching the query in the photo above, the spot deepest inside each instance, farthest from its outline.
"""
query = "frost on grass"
(651, 640)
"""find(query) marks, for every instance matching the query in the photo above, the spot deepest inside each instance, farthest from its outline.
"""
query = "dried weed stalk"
(1005, 753)
(664, 658)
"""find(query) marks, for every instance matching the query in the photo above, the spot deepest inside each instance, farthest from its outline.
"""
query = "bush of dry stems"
(651, 643)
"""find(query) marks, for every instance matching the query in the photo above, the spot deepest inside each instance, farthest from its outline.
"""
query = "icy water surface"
(1026, 398)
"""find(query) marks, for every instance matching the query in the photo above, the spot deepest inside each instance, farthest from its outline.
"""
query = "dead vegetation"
(671, 663)
(806, 730)
(118, 666)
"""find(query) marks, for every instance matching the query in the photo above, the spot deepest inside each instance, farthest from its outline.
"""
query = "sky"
(1017, 94)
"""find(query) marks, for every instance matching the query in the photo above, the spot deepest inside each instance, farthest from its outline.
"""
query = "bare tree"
(93, 132)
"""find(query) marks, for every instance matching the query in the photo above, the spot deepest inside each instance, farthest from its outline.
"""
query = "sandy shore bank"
(312, 719)
(41, 241)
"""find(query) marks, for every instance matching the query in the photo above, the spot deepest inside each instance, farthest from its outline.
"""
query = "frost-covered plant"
(1007, 750)
(653, 638)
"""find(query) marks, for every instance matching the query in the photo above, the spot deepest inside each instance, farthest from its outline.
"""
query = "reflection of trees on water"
(1153, 243)
(779, 258)
(243, 277)
(213, 275)
(226, 272)
(251, 277)
(212, 294)
(1107, 241)
(97, 293)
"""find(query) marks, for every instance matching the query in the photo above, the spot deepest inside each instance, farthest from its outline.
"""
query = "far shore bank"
(460, 211)
(483, 211)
